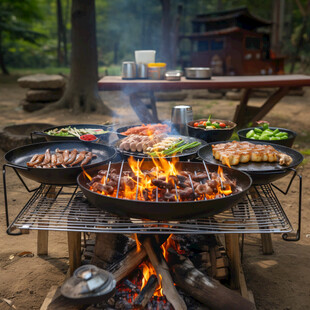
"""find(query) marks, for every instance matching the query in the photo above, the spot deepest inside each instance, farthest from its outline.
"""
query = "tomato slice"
(222, 125)
(196, 124)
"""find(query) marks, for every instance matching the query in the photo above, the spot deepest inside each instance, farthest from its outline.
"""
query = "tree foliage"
(122, 27)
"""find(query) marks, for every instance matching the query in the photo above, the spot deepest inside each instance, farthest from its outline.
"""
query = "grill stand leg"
(233, 252)
(74, 247)
(267, 247)
(42, 242)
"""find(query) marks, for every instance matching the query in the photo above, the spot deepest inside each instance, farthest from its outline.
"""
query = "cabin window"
(203, 46)
(252, 43)
(217, 45)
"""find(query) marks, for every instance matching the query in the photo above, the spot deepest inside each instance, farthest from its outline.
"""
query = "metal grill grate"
(259, 212)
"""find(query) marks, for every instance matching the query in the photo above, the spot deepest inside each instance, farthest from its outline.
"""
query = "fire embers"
(162, 182)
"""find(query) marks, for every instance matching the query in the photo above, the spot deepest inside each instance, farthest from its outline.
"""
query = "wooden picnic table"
(243, 114)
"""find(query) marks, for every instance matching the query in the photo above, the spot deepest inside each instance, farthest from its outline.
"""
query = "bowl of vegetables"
(74, 132)
(211, 130)
(265, 133)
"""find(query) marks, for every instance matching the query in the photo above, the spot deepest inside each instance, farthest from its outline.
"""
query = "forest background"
(35, 34)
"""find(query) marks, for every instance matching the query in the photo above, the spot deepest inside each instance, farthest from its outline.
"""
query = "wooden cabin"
(230, 43)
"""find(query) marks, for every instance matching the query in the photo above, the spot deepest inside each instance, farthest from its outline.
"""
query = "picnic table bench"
(243, 113)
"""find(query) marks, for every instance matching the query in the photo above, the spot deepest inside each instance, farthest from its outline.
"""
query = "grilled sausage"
(37, 161)
(47, 157)
(71, 157)
(59, 159)
(87, 158)
(79, 158)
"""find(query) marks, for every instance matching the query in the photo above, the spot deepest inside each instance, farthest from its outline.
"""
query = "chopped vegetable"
(265, 133)
(75, 132)
(210, 125)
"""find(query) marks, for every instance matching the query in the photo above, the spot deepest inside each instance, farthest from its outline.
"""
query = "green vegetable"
(250, 134)
(265, 133)
(257, 130)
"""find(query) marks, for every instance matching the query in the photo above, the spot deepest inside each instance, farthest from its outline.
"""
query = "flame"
(137, 243)
(148, 270)
(139, 186)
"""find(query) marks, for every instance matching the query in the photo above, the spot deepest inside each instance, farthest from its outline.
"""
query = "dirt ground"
(279, 281)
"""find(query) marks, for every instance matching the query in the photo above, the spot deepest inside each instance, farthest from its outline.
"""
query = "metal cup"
(180, 116)
(129, 70)
(142, 71)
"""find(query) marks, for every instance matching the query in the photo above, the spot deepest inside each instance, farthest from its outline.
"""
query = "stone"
(43, 95)
(32, 106)
(42, 81)
(233, 95)
(18, 135)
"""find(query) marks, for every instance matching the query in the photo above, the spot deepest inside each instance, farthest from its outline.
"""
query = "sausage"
(71, 157)
(37, 161)
(87, 158)
(65, 155)
(59, 159)
(79, 158)
(47, 157)
(53, 160)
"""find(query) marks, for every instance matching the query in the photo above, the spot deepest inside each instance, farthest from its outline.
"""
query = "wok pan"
(166, 210)
(184, 155)
(104, 137)
(261, 172)
(18, 158)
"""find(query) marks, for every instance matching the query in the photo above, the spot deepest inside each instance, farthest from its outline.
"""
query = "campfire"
(162, 181)
(162, 273)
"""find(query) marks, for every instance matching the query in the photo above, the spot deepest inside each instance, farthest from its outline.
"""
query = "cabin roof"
(242, 14)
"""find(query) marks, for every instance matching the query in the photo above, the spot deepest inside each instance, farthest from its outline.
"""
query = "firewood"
(156, 257)
(146, 294)
(128, 264)
(203, 288)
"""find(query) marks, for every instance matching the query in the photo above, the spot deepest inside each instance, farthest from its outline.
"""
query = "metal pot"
(198, 73)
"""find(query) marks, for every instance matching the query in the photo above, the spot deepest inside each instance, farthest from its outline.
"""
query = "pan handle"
(16, 167)
(37, 133)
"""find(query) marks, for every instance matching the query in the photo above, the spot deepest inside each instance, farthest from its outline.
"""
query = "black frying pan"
(185, 154)
(18, 158)
(166, 210)
(103, 137)
(261, 172)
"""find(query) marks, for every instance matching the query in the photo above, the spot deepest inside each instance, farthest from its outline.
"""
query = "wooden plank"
(42, 239)
(267, 247)
(42, 242)
(239, 116)
(74, 246)
(233, 252)
(55, 301)
(217, 82)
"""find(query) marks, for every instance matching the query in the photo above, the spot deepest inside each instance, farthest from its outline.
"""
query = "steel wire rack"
(70, 211)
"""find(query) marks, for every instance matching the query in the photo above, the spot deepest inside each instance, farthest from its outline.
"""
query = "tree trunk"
(166, 32)
(59, 33)
(2, 63)
(81, 94)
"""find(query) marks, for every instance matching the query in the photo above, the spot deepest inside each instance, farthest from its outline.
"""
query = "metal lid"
(89, 284)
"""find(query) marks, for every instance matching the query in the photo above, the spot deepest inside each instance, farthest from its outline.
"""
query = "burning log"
(203, 288)
(156, 257)
(146, 294)
(123, 268)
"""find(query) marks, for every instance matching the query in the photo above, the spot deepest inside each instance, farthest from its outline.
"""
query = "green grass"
(305, 152)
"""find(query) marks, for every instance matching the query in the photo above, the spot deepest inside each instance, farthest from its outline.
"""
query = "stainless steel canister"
(142, 71)
(129, 70)
(180, 116)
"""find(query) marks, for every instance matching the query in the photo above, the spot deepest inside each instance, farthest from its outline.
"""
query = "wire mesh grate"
(68, 210)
